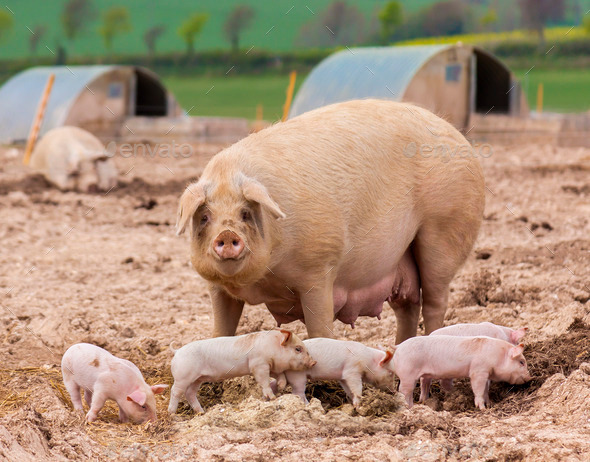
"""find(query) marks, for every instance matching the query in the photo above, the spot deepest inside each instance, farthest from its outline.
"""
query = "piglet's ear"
(138, 397)
(192, 198)
(517, 335)
(516, 351)
(255, 192)
(157, 389)
(286, 336)
(386, 358)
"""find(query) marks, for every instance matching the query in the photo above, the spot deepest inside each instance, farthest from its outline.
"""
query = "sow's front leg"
(226, 312)
(318, 310)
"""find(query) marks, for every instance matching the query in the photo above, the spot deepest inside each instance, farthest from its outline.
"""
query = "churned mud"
(106, 268)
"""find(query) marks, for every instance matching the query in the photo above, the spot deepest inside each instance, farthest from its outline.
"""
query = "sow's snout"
(228, 245)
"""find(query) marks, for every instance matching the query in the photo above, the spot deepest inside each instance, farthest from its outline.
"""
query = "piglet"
(447, 357)
(262, 354)
(487, 329)
(350, 363)
(103, 376)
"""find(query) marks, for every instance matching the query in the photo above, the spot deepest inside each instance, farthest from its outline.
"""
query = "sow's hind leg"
(441, 246)
(405, 297)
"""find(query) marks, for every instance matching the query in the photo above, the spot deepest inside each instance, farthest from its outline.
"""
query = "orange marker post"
(540, 98)
(290, 89)
(38, 120)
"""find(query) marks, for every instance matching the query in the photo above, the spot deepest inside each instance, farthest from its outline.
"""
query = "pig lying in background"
(262, 354)
(73, 159)
(103, 376)
(351, 363)
(487, 329)
(328, 215)
(480, 358)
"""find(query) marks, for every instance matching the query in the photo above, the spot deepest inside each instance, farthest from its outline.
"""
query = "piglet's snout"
(228, 245)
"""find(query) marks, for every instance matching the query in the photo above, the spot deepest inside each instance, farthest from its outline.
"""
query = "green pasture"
(232, 96)
(275, 26)
(566, 90)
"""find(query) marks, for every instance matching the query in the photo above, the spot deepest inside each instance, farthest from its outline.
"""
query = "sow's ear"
(255, 192)
(192, 198)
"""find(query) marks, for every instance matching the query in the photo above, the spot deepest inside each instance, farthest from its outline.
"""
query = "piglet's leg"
(424, 389)
(281, 381)
(478, 385)
(88, 397)
(406, 388)
(122, 416)
(74, 391)
(175, 395)
(261, 373)
(98, 400)
(298, 381)
(447, 385)
(353, 385)
(191, 396)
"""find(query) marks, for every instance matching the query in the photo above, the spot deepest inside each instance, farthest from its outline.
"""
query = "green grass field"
(232, 96)
(274, 27)
(565, 90)
(237, 96)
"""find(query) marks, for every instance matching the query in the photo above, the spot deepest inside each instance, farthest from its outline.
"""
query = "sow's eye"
(298, 349)
(522, 363)
(246, 215)
(204, 219)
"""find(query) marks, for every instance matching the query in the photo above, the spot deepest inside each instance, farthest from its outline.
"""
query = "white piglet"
(487, 329)
(351, 363)
(262, 354)
(482, 359)
(103, 376)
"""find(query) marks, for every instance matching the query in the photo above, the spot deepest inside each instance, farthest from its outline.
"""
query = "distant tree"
(151, 36)
(446, 18)
(38, 32)
(339, 24)
(75, 17)
(190, 29)
(238, 19)
(536, 14)
(6, 24)
(115, 21)
(390, 17)
(489, 19)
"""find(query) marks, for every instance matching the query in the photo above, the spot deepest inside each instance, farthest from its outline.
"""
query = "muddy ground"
(108, 269)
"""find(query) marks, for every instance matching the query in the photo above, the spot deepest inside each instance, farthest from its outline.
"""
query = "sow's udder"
(402, 284)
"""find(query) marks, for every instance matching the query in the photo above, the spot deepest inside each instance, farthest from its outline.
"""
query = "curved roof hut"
(96, 98)
(453, 81)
